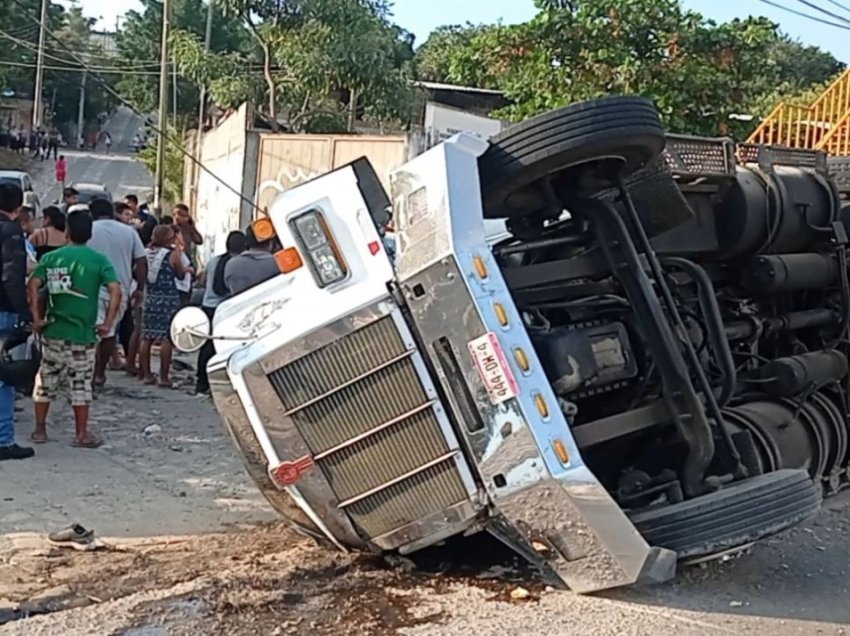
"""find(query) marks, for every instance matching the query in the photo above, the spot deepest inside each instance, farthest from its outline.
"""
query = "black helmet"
(19, 371)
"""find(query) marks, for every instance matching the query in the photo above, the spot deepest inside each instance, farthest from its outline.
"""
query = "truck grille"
(361, 408)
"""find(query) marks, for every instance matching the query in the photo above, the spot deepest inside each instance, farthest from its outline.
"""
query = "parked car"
(91, 191)
(24, 181)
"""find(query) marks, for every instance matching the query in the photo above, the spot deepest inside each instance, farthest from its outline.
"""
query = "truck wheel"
(739, 514)
(513, 169)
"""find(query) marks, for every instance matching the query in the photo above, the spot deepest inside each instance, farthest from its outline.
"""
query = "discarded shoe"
(74, 536)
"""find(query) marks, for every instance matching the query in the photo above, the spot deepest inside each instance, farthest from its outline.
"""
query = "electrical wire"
(808, 3)
(835, 3)
(152, 65)
(32, 46)
(26, 32)
(77, 69)
(806, 15)
(162, 134)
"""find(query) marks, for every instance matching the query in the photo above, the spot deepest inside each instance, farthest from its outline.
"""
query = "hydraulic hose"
(714, 325)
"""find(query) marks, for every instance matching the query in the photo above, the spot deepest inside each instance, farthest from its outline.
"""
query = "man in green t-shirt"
(73, 275)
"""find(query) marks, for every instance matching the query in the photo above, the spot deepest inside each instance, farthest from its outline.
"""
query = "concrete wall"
(258, 165)
(288, 160)
(442, 122)
(16, 113)
(217, 207)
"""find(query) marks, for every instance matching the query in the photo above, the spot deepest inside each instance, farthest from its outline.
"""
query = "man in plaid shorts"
(74, 275)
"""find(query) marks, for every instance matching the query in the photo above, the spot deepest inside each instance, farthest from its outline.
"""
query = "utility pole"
(163, 106)
(203, 96)
(39, 70)
(174, 94)
(81, 111)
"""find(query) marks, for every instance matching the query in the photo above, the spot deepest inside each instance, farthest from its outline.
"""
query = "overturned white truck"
(647, 362)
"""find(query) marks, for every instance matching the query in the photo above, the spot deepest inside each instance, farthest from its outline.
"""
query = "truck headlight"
(313, 233)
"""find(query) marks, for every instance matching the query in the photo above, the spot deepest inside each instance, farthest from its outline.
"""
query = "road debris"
(152, 430)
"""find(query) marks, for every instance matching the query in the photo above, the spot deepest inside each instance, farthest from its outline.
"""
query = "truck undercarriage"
(650, 363)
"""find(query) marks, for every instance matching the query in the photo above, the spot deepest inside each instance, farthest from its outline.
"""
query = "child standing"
(61, 170)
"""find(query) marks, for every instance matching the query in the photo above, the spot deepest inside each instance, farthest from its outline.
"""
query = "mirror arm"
(206, 336)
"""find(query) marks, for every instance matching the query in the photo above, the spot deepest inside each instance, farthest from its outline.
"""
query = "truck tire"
(520, 157)
(734, 516)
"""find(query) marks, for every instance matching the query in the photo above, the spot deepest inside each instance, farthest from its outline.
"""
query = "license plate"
(493, 368)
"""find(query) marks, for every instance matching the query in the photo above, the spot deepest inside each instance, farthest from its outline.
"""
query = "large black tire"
(731, 517)
(625, 128)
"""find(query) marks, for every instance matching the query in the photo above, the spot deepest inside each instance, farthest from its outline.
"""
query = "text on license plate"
(493, 368)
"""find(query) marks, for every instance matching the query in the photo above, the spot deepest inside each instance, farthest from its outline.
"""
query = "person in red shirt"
(61, 170)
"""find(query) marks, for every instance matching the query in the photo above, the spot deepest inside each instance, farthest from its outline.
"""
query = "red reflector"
(288, 473)
(374, 247)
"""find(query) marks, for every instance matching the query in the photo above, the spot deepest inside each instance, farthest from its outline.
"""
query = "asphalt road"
(120, 171)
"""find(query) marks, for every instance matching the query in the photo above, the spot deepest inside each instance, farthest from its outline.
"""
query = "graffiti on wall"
(218, 215)
(286, 178)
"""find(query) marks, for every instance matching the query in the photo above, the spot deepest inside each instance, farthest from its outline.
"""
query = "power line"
(77, 69)
(132, 68)
(33, 47)
(824, 11)
(163, 134)
(802, 15)
(253, 66)
(839, 5)
(26, 32)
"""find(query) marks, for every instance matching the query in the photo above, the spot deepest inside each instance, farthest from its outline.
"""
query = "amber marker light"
(521, 360)
(501, 314)
(561, 451)
(480, 267)
(541, 405)
(263, 229)
(288, 260)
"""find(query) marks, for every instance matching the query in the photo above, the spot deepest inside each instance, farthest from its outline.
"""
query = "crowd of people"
(40, 144)
(100, 284)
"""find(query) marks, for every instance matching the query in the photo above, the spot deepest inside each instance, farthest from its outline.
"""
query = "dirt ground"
(189, 547)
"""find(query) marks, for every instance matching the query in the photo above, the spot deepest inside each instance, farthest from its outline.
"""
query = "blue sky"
(422, 16)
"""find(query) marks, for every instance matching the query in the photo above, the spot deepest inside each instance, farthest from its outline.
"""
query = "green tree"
(801, 66)
(68, 40)
(698, 72)
(75, 49)
(435, 56)
(138, 46)
(317, 63)
(174, 166)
